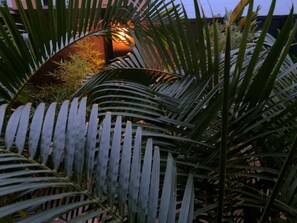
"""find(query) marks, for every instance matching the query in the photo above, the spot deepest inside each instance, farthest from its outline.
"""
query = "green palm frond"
(101, 169)
(190, 101)
(172, 89)
(21, 56)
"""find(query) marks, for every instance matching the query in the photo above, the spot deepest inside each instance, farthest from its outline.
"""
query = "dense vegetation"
(82, 60)
(181, 129)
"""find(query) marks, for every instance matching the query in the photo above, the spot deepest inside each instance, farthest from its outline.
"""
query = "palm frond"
(96, 169)
(21, 58)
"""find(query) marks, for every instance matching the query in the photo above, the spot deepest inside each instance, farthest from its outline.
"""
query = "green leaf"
(10, 209)
(80, 139)
(56, 212)
(154, 187)
(35, 129)
(60, 135)
(2, 116)
(168, 199)
(71, 134)
(103, 156)
(125, 167)
(91, 143)
(145, 181)
(279, 181)
(12, 126)
(47, 132)
(135, 175)
(224, 131)
(187, 208)
(255, 57)
(114, 160)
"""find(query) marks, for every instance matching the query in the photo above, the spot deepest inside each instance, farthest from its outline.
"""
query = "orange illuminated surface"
(121, 41)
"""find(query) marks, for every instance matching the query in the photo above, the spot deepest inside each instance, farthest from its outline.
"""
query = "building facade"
(12, 3)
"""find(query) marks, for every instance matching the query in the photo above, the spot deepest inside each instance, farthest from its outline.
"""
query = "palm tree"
(219, 125)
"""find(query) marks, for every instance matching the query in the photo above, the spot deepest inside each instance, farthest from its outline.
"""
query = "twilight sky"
(218, 6)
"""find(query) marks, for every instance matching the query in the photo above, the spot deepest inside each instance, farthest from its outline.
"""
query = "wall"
(276, 25)
(14, 5)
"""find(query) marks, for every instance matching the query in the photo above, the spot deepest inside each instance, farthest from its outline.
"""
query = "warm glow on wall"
(121, 42)
(122, 36)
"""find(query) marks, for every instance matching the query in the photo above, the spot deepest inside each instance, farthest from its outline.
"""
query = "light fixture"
(121, 35)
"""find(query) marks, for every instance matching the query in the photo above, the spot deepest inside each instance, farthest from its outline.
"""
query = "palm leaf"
(178, 104)
(46, 38)
(97, 180)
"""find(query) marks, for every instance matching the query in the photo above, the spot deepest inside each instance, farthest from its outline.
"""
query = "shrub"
(64, 81)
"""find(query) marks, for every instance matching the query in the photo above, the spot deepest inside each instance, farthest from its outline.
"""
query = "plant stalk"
(224, 131)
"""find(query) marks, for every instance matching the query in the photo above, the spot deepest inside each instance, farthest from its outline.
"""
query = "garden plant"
(179, 130)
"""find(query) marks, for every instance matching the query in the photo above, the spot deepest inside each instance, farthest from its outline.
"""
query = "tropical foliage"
(83, 60)
(25, 49)
(213, 131)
